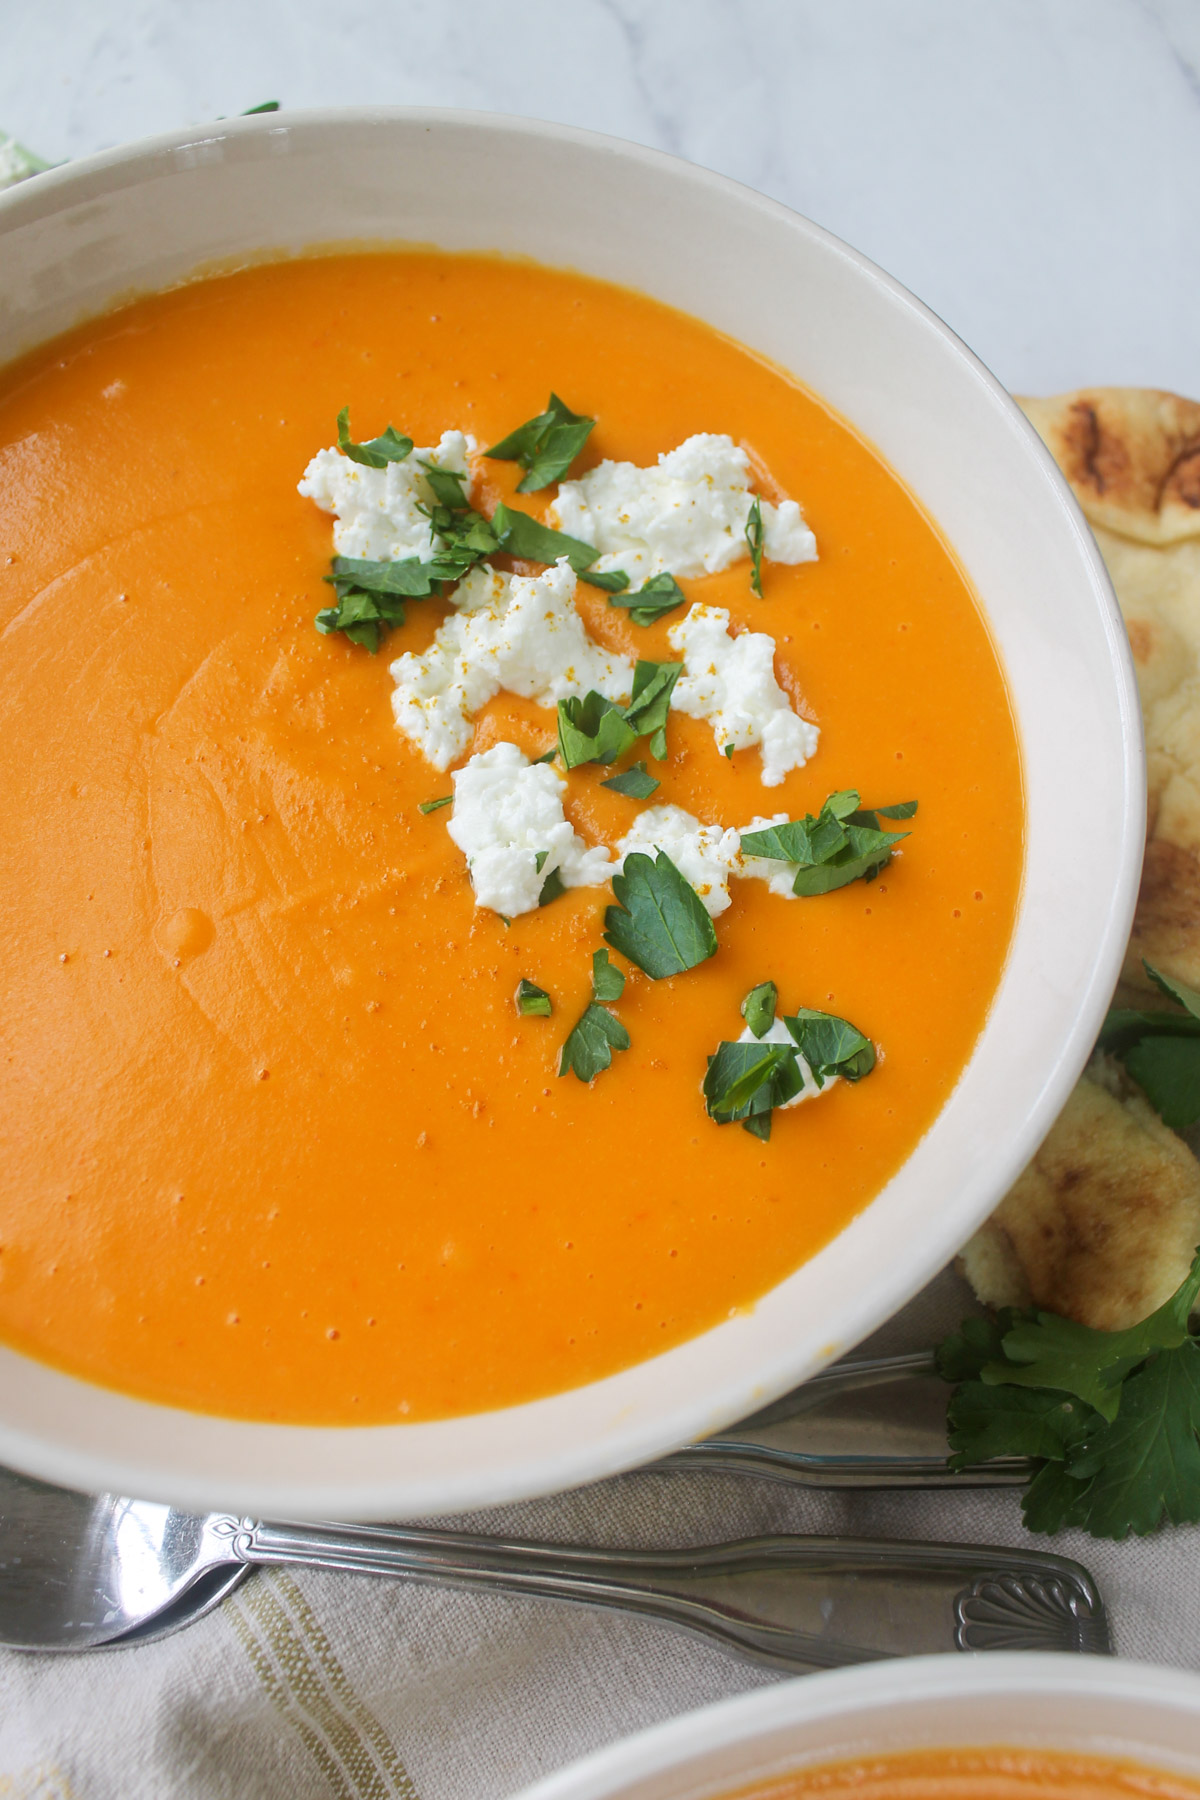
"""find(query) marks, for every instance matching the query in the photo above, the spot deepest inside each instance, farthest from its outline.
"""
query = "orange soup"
(988, 1774)
(277, 1142)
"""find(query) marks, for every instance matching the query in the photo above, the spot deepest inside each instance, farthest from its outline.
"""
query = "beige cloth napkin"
(308, 1686)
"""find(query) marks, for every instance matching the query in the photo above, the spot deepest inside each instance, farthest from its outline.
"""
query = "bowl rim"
(835, 1694)
(572, 1463)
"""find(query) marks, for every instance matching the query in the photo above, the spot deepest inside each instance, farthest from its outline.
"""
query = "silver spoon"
(78, 1572)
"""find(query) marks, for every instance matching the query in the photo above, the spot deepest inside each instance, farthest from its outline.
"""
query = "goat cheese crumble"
(730, 681)
(779, 1034)
(378, 511)
(506, 811)
(687, 516)
(521, 633)
(705, 855)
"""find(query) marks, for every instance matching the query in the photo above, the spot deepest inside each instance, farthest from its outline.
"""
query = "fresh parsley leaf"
(521, 535)
(608, 982)
(962, 1355)
(985, 1422)
(532, 1001)
(830, 1046)
(448, 485)
(613, 581)
(553, 885)
(1160, 1047)
(653, 685)
(263, 106)
(592, 1040)
(428, 806)
(592, 729)
(843, 843)
(756, 537)
(1045, 1351)
(376, 453)
(758, 1008)
(1144, 1467)
(634, 782)
(547, 756)
(545, 446)
(661, 594)
(1167, 1069)
(659, 922)
(406, 579)
(359, 617)
(745, 1082)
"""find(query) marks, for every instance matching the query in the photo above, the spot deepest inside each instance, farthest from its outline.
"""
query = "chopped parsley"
(589, 1047)
(745, 1082)
(661, 594)
(521, 535)
(758, 1008)
(844, 843)
(595, 729)
(533, 1002)
(635, 783)
(553, 885)
(653, 685)
(608, 983)
(592, 729)
(756, 537)
(545, 446)
(1160, 1047)
(1111, 1419)
(659, 923)
(428, 806)
(371, 596)
(376, 453)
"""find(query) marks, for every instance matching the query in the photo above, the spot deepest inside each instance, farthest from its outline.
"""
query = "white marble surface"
(1031, 168)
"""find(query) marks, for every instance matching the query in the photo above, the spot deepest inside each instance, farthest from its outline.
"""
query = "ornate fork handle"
(791, 1602)
(874, 1422)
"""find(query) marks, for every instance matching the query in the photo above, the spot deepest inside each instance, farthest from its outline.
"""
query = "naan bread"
(1102, 1225)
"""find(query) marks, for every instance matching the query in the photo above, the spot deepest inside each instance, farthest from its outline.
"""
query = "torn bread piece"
(1132, 457)
(1102, 1225)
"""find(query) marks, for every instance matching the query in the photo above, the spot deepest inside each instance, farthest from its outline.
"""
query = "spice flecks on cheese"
(730, 681)
(687, 515)
(779, 1034)
(506, 811)
(378, 511)
(520, 633)
(705, 855)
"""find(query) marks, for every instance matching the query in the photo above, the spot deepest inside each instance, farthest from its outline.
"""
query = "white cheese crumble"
(520, 633)
(687, 516)
(506, 810)
(778, 875)
(705, 855)
(779, 1034)
(730, 681)
(378, 511)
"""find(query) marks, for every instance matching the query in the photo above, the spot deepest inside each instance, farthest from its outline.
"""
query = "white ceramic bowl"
(75, 240)
(1116, 1709)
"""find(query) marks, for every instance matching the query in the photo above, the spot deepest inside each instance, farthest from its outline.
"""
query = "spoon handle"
(875, 1422)
(790, 1602)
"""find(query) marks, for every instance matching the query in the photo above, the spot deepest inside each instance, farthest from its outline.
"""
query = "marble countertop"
(1028, 167)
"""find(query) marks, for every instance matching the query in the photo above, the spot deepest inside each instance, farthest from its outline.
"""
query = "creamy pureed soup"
(280, 1141)
(998, 1773)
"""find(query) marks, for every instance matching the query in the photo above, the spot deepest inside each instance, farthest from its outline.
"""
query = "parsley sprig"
(1111, 1418)
(545, 446)
(595, 729)
(635, 783)
(597, 1032)
(745, 1082)
(843, 843)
